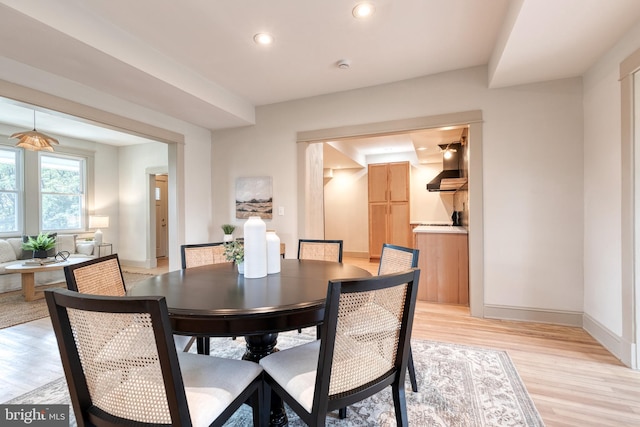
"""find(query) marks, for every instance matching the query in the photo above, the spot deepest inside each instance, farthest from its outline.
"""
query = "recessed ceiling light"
(363, 10)
(263, 38)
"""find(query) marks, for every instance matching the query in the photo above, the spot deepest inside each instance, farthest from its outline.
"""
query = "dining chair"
(103, 276)
(322, 250)
(394, 259)
(196, 255)
(98, 276)
(357, 356)
(122, 368)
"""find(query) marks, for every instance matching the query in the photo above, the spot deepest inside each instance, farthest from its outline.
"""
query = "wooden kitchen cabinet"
(444, 267)
(389, 213)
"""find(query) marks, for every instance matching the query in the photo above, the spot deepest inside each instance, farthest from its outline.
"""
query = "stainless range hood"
(452, 177)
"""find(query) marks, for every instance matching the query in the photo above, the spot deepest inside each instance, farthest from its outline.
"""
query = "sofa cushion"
(16, 244)
(6, 252)
(66, 242)
(85, 248)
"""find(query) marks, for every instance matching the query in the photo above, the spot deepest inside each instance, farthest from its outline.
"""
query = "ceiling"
(196, 60)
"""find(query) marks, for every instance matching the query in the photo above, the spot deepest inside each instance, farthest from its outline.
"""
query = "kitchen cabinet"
(389, 213)
(444, 266)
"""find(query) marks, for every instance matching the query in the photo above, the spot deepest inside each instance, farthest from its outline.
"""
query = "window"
(62, 192)
(10, 190)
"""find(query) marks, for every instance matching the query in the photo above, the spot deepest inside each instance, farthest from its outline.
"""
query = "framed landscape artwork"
(254, 197)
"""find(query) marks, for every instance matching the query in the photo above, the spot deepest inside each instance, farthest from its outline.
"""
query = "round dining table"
(215, 300)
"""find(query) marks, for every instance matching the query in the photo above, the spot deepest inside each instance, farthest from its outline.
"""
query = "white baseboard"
(620, 348)
(556, 317)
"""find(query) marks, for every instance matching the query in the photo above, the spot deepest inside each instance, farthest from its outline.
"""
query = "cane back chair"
(322, 250)
(99, 276)
(195, 255)
(395, 259)
(357, 356)
(122, 367)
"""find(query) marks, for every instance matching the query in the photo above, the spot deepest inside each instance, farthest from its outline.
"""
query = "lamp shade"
(34, 140)
(98, 221)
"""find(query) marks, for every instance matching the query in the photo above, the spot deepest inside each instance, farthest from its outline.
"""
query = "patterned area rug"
(459, 386)
(14, 310)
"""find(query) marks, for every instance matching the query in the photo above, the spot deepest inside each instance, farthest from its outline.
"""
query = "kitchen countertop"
(440, 229)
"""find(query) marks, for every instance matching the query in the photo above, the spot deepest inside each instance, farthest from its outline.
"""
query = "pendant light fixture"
(33, 140)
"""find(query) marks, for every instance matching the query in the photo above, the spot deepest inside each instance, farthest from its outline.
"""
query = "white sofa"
(11, 252)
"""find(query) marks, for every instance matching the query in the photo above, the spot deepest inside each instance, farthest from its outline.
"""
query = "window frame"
(29, 177)
(83, 184)
(20, 205)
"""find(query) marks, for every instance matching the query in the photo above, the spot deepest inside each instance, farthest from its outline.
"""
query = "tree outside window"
(10, 189)
(62, 192)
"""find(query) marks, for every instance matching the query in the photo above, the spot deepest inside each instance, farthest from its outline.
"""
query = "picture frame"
(254, 197)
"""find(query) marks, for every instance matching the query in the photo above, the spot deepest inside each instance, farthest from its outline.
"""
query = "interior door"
(162, 212)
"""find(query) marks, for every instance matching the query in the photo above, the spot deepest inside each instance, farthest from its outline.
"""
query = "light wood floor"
(572, 380)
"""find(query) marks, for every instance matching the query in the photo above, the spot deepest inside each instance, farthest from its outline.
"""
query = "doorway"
(311, 174)
(162, 216)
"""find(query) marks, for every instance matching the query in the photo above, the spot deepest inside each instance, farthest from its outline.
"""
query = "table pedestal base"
(259, 346)
(29, 287)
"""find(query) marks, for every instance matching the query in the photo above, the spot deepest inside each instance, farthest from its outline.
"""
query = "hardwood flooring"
(572, 379)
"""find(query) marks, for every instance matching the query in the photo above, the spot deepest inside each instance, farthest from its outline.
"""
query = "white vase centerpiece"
(273, 252)
(255, 248)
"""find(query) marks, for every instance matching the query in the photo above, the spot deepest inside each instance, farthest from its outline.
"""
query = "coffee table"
(28, 275)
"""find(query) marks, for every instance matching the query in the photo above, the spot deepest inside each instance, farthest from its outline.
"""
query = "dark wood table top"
(216, 300)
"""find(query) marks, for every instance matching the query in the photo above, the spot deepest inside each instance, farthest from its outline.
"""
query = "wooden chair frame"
(202, 343)
(414, 264)
(301, 243)
(59, 300)
(184, 249)
(70, 273)
(395, 377)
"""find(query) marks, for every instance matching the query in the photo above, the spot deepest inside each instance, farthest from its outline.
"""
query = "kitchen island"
(443, 263)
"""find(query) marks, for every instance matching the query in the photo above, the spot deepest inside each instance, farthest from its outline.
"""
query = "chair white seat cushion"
(212, 383)
(295, 370)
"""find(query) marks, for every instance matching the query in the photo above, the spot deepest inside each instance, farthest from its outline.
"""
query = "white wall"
(429, 206)
(533, 196)
(532, 171)
(106, 186)
(265, 150)
(346, 203)
(602, 183)
(135, 200)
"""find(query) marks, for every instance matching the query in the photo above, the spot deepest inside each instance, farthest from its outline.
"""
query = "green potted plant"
(39, 245)
(234, 251)
(227, 229)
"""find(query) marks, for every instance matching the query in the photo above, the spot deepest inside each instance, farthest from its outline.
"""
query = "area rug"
(14, 310)
(458, 386)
